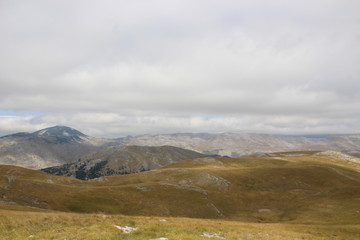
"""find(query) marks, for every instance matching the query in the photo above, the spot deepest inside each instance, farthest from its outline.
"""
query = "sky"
(113, 68)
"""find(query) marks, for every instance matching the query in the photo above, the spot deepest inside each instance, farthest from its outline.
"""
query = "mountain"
(292, 187)
(239, 144)
(122, 160)
(48, 147)
(61, 145)
(61, 134)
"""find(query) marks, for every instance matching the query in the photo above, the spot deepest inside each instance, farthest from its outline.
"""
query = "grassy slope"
(301, 189)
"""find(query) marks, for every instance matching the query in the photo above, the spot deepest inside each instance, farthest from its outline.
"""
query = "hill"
(48, 147)
(293, 187)
(122, 160)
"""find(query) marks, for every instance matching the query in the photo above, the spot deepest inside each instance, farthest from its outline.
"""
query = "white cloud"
(159, 63)
(12, 124)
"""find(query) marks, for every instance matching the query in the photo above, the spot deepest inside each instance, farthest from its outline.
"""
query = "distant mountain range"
(122, 160)
(61, 145)
(239, 144)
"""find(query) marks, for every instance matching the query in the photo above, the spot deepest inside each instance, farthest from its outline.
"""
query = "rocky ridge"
(122, 160)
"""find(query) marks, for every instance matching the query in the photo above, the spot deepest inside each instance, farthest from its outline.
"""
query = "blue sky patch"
(4, 112)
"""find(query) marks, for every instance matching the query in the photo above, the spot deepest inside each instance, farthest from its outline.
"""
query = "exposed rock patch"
(212, 235)
(126, 229)
(340, 155)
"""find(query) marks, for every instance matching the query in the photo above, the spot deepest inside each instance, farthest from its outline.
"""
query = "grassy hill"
(300, 187)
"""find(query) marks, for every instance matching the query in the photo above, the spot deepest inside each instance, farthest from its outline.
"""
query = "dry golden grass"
(16, 225)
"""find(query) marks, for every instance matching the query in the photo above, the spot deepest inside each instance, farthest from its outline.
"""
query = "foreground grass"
(20, 225)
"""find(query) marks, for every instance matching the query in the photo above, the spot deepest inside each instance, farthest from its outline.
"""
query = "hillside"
(296, 187)
(48, 147)
(122, 160)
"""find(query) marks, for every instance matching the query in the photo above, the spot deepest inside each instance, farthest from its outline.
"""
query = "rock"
(339, 155)
(212, 235)
(126, 229)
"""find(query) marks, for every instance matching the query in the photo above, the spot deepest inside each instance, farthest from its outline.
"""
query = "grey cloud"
(179, 59)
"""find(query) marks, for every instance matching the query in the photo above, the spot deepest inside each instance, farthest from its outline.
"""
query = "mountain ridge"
(116, 160)
(239, 144)
(61, 145)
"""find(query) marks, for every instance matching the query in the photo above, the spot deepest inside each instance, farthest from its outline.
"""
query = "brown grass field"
(29, 224)
(299, 195)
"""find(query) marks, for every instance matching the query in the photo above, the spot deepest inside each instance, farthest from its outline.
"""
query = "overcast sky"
(111, 68)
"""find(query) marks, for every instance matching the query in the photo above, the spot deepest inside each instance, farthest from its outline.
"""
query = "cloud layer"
(129, 67)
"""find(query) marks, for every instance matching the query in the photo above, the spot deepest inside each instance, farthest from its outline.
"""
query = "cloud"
(116, 125)
(222, 62)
